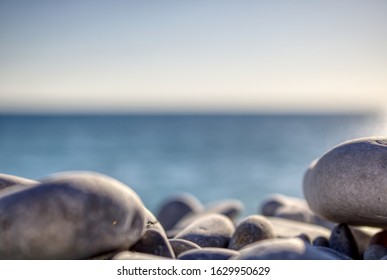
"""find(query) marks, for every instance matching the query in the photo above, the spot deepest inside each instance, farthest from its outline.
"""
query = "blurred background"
(221, 99)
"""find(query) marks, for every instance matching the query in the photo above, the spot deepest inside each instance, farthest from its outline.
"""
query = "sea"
(213, 157)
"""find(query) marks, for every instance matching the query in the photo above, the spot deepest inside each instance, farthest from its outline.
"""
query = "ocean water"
(213, 157)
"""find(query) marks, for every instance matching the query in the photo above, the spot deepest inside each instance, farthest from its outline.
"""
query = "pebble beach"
(88, 215)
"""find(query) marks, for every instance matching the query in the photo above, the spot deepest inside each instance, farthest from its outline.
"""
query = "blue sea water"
(214, 157)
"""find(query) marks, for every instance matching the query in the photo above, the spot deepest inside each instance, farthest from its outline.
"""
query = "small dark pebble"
(379, 238)
(321, 241)
(343, 241)
(304, 237)
(155, 243)
(375, 252)
(180, 245)
(175, 208)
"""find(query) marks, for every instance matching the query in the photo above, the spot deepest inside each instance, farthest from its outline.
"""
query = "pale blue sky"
(302, 55)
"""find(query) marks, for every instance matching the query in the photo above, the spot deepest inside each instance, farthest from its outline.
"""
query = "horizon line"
(87, 113)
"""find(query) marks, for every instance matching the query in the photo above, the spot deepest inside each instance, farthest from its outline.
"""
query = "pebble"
(375, 252)
(251, 229)
(282, 249)
(208, 254)
(294, 213)
(173, 232)
(292, 208)
(272, 203)
(154, 240)
(155, 243)
(333, 253)
(348, 183)
(321, 242)
(304, 238)
(343, 241)
(175, 208)
(212, 230)
(73, 215)
(105, 256)
(379, 238)
(152, 223)
(285, 228)
(363, 236)
(180, 245)
(231, 208)
(127, 255)
(183, 223)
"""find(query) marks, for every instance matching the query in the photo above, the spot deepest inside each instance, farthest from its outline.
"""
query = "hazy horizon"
(198, 56)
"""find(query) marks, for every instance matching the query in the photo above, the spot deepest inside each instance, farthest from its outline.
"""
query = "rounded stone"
(294, 213)
(275, 201)
(154, 239)
(73, 215)
(375, 252)
(152, 223)
(363, 236)
(333, 253)
(155, 243)
(180, 245)
(348, 184)
(282, 249)
(105, 256)
(292, 208)
(173, 232)
(208, 254)
(321, 241)
(212, 230)
(343, 241)
(379, 238)
(284, 228)
(304, 238)
(175, 208)
(184, 222)
(251, 229)
(231, 208)
(127, 255)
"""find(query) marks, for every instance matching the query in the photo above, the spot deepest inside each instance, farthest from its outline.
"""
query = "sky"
(200, 56)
